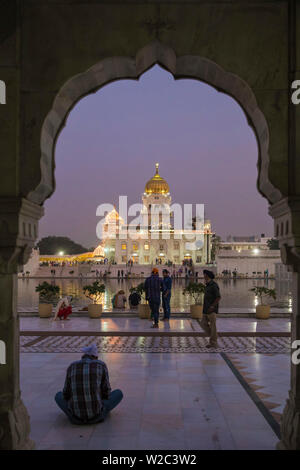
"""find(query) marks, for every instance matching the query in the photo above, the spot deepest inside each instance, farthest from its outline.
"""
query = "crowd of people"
(159, 291)
(233, 274)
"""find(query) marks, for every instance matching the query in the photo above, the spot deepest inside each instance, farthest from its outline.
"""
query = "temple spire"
(157, 185)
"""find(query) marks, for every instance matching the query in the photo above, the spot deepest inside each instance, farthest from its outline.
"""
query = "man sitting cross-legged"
(87, 397)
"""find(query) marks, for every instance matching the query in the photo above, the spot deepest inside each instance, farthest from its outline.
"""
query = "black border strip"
(254, 397)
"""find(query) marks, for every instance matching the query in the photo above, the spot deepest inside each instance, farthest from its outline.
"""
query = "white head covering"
(91, 350)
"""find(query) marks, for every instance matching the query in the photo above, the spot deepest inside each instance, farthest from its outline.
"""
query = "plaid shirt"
(153, 288)
(87, 383)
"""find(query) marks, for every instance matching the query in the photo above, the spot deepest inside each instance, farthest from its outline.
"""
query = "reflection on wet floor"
(136, 324)
(235, 293)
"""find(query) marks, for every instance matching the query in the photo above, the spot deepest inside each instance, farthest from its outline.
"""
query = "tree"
(261, 292)
(54, 245)
(273, 244)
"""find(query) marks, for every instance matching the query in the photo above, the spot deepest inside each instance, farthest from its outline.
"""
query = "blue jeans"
(166, 305)
(114, 399)
(154, 306)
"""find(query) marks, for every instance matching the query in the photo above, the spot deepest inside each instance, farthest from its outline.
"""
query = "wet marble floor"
(135, 324)
(172, 400)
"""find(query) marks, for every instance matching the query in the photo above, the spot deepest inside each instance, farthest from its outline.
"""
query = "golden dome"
(157, 185)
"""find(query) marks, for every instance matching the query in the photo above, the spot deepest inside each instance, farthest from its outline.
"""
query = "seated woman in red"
(64, 312)
(63, 309)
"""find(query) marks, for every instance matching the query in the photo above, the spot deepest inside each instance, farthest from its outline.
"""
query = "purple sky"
(200, 137)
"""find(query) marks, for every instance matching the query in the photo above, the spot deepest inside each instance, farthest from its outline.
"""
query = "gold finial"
(157, 185)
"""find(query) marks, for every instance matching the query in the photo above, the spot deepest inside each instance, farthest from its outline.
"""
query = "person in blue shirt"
(166, 294)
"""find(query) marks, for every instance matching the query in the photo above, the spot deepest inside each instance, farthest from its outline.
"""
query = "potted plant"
(47, 294)
(263, 310)
(143, 308)
(196, 291)
(94, 292)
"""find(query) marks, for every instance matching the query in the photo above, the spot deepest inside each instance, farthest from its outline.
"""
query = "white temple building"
(156, 239)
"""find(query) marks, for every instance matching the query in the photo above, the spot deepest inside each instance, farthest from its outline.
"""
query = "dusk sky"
(113, 138)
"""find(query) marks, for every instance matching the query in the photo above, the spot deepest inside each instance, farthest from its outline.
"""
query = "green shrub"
(261, 292)
(94, 291)
(47, 292)
(196, 291)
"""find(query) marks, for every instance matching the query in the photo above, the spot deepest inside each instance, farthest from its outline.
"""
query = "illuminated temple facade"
(155, 241)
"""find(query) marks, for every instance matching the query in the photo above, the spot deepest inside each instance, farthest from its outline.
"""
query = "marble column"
(14, 419)
(290, 425)
(286, 214)
(18, 231)
(287, 227)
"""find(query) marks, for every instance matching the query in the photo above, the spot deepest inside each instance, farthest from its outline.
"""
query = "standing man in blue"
(166, 294)
(153, 288)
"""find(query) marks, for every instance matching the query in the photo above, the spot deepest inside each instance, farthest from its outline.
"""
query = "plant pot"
(95, 310)
(196, 311)
(144, 310)
(45, 310)
(263, 312)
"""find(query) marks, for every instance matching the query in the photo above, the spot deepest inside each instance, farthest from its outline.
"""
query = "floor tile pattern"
(157, 343)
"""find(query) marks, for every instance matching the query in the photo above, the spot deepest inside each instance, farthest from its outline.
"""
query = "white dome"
(99, 252)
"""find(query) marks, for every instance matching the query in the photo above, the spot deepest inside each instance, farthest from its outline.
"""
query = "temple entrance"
(188, 270)
(45, 83)
(156, 188)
